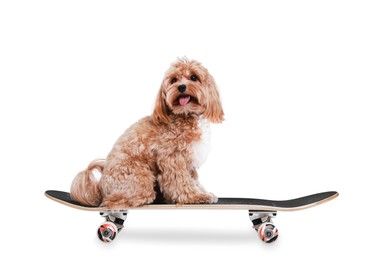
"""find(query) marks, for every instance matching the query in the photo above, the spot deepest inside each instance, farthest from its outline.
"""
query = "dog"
(159, 155)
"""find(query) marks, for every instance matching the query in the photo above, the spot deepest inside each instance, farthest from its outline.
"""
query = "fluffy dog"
(160, 154)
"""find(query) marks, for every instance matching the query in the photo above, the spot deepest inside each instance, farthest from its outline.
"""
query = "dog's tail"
(85, 187)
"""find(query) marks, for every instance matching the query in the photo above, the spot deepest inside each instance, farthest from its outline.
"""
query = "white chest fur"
(201, 148)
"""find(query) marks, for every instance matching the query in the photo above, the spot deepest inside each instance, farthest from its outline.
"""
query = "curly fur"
(159, 153)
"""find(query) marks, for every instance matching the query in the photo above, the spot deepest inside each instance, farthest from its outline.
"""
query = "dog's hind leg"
(128, 190)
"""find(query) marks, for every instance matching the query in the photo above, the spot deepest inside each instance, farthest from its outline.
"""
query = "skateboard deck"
(223, 203)
(261, 211)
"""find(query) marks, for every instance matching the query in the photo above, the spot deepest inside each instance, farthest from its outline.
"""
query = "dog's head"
(188, 88)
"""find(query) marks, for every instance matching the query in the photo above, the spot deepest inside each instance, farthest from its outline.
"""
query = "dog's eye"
(174, 80)
(193, 77)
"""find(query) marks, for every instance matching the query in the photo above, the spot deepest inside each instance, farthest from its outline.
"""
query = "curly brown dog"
(163, 150)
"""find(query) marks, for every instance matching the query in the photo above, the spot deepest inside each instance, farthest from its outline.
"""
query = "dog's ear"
(160, 114)
(213, 111)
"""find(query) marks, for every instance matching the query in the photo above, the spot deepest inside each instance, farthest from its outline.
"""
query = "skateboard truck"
(108, 230)
(263, 224)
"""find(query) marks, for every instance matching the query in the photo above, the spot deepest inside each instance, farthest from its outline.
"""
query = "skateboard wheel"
(267, 232)
(107, 232)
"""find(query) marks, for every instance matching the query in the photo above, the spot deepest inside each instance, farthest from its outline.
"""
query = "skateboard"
(261, 211)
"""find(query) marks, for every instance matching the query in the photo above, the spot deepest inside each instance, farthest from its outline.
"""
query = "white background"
(302, 84)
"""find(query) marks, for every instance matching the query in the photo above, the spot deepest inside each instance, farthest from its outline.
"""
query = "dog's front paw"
(206, 198)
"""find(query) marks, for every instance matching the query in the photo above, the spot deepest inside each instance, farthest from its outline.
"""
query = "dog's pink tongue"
(184, 100)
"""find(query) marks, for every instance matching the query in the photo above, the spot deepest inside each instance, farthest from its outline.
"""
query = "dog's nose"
(182, 88)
